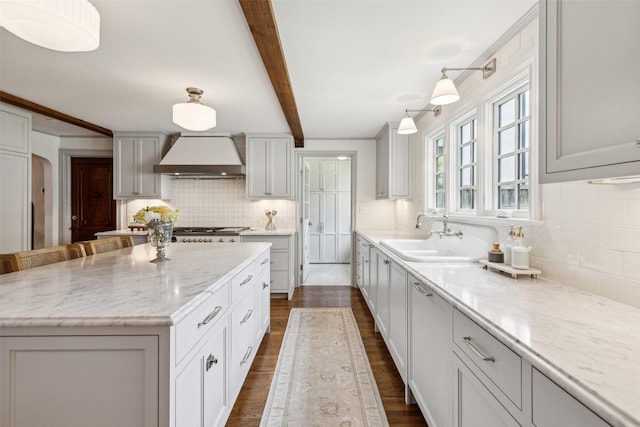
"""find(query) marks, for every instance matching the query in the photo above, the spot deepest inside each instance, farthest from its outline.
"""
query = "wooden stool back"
(10, 263)
(99, 246)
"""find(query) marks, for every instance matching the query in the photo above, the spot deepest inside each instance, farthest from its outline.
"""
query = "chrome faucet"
(446, 231)
(418, 223)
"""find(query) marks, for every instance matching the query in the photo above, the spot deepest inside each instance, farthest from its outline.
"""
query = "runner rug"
(323, 377)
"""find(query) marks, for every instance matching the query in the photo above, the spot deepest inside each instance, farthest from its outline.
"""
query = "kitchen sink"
(432, 250)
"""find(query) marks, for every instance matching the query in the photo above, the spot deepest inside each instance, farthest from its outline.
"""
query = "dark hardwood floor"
(253, 396)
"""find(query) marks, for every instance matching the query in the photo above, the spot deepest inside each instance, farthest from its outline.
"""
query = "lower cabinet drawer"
(497, 361)
(552, 406)
(196, 324)
(243, 281)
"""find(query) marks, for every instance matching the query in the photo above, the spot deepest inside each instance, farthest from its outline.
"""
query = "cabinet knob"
(265, 285)
(211, 360)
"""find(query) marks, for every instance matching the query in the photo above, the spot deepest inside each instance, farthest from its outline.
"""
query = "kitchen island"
(113, 339)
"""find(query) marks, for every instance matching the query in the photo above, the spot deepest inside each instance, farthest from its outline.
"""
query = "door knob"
(74, 217)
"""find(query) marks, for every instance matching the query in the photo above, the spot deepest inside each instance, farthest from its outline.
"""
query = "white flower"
(151, 216)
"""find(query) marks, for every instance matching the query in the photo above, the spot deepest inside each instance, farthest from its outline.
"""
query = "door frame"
(301, 155)
(65, 155)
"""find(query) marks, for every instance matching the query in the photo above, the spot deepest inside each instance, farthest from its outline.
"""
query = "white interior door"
(306, 212)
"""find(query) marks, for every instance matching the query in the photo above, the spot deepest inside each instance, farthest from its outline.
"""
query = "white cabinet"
(392, 163)
(578, 140)
(133, 158)
(474, 405)
(201, 386)
(282, 262)
(329, 175)
(162, 375)
(431, 328)
(269, 166)
(53, 381)
(15, 179)
(382, 294)
(330, 226)
(552, 406)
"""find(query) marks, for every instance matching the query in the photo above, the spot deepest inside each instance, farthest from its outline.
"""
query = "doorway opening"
(326, 219)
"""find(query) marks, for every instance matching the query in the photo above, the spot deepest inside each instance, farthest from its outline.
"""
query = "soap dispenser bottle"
(508, 244)
(520, 254)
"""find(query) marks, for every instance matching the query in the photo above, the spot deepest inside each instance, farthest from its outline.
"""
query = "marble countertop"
(121, 287)
(125, 232)
(263, 232)
(588, 344)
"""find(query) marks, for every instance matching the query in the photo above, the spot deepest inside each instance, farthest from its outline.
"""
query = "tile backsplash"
(590, 238)
(220, 202)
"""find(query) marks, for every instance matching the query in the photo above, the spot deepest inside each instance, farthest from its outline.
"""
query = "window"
(467, 157)
(439, 188)
(512, 137)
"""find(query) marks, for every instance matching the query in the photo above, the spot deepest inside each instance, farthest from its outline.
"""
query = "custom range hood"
(203, 156)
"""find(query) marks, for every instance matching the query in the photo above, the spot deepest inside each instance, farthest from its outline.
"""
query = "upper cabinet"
(329, 175)
(392, 163)
(133, 158)
(589, 90)
(269, 166)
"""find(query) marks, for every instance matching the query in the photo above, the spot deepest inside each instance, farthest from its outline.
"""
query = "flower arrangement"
(156, 213)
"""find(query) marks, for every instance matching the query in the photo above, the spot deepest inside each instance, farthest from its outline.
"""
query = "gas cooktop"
(208, 231)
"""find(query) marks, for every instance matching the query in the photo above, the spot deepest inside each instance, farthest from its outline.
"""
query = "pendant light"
(193, 114)
(408, 126)
(445, 91)
(62, 25)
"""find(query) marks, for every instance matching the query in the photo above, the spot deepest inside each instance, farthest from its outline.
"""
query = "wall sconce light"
(408, 126)
(193, 114)
(63, 25)
(445, 91)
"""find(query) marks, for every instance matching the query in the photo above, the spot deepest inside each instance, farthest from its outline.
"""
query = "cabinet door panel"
(150, 154)
(382, 295)
(126, 153)
(15, 212)
(54, 381)
(257, 158)
(215, 398)
(280, 167)
(398, 318)
(474, 405)
(430, 373)
(552, 406)
(577, 141)
(329, 175)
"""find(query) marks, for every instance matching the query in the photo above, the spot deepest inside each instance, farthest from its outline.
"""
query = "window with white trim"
(466, 165)
(512, 144)
(439, 185)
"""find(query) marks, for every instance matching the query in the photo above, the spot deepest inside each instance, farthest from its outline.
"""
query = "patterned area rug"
(323, 377)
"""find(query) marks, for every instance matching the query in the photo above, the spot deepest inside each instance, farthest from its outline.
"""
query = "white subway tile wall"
(590, 238)
(220, 202)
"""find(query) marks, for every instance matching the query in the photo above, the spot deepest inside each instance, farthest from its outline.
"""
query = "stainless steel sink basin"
(430, 250)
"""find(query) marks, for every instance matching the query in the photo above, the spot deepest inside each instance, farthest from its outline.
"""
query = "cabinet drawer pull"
(386, 261)
(476, 351)
(246, 317)
(246, 355)
(211, 360)
(419, 288)
(210, 317)
(266, 260)
(247, 280)
(265, 285)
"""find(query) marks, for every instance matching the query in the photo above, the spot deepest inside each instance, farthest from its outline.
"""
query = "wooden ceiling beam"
(262, 23)
(46, 111)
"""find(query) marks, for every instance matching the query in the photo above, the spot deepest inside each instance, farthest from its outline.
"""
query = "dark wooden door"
(92, 206)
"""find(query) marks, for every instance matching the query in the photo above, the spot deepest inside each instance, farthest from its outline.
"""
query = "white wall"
(590, 234)
(46, 147)
(370, 214)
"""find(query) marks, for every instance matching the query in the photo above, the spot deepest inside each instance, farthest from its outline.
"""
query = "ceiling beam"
(46, 111)
(262, 23)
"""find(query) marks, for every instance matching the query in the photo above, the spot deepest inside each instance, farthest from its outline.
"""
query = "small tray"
(514, 272)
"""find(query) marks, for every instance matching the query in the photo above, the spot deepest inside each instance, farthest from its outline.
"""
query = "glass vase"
(160, 237)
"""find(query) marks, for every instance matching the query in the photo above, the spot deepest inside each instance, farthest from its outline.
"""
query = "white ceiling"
(354, 64)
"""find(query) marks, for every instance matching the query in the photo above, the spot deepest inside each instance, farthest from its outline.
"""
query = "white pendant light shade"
(193, 114)
(407, 126)
(63, 25)
(445, 92)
